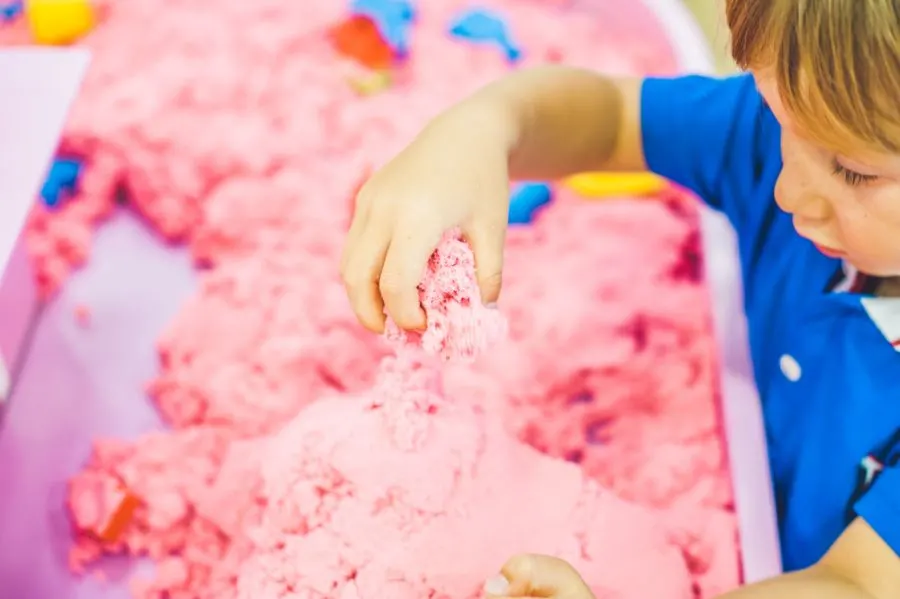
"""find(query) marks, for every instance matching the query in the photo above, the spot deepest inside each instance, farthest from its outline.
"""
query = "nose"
(806, 206)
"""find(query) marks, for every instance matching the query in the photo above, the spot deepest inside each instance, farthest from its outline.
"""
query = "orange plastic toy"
(358, 38)
(119, 517)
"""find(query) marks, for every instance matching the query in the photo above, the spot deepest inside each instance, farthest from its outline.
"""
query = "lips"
(830, 252)
(824, 249)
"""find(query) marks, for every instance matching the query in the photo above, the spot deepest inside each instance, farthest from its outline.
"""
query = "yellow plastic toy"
(372, 83)
(606, 185)
(59, 22)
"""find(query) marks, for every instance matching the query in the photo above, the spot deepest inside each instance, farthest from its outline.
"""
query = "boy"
(803, 156)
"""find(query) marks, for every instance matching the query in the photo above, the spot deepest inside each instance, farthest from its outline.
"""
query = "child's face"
(848, 205)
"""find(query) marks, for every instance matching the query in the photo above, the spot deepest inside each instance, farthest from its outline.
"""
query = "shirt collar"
(847, 279)
(884, 311)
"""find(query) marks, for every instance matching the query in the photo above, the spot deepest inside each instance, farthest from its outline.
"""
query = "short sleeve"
(880, 507)
(714, 136)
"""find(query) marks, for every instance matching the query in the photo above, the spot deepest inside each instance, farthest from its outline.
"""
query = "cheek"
(873, 218)
(882, 205)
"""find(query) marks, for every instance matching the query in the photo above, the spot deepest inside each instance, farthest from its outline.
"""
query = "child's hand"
(454, 174)
(542, 576)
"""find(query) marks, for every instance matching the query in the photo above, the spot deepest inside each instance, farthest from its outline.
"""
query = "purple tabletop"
(80, 382)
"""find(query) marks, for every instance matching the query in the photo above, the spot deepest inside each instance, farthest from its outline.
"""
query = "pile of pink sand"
(392, 492)
(231, 127)
(403, 492)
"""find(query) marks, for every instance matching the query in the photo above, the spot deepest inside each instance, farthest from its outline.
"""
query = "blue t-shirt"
(826, 353)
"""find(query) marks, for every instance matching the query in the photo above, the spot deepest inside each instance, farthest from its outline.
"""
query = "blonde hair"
(836, 63)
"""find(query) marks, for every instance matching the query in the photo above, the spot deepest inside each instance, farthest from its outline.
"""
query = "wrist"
(485, 115)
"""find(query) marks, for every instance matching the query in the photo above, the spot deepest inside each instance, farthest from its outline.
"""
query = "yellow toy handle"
(610, 185)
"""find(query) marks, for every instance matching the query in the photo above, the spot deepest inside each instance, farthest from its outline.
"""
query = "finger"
(364, 265)
(358, 222)
(497, 586)
(351, 242)
(357, 191)
(487, 239)
(403, 269)
(531, 575)
(519, 571)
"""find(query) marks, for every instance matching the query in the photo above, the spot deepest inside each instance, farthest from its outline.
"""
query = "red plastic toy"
(119, 518)
(358, 38)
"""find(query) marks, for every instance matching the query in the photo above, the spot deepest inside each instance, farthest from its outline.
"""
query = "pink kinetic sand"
(395, 491)
(356, 507)
(459, 327)
(231, 126)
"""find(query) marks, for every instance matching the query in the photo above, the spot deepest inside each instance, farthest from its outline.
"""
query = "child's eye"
(851, 178)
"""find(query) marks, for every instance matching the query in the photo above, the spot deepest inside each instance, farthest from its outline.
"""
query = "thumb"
(487, 241)
(530, 575)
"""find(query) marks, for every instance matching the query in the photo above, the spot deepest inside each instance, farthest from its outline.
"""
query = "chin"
(876, 269)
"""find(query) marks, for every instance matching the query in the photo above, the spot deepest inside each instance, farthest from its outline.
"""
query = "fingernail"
(496, 586)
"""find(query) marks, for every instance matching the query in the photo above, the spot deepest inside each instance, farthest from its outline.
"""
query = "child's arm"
(565, 121)
(534, 124)
(859, 566)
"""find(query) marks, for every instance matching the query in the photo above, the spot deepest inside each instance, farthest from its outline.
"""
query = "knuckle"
(344, 268)
(373, 197)
(493, 278)
(365, 190)
(522, 566)
(390, 286)
(349, 276)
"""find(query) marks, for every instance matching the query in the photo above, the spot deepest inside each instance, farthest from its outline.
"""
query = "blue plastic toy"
(486, 27)
(525, 201)
(393, 19)
(61, 182)
(9, 11)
